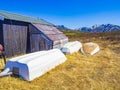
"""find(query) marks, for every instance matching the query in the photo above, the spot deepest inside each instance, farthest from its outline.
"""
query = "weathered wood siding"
(15, 39)
(38, 40)
(1, 32)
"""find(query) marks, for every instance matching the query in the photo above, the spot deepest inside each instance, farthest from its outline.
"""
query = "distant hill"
(62, 27)
(101, 28)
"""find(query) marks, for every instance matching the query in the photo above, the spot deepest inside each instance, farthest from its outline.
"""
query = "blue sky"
(71, 13)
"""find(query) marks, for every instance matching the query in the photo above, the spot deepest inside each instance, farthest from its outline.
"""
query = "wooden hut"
(21, 34)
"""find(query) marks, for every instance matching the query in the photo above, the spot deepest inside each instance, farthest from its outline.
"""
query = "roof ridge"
(24, 18)
(20, 14)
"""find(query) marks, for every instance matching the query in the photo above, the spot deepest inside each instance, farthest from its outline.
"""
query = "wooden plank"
(15, 38)
(5, 30)
(1, 32)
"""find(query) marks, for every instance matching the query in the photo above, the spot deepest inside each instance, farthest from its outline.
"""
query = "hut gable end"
(53, 33)
(38, 40)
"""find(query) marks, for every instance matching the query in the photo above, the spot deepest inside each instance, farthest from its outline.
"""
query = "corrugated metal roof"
(52, 32)
(18, 17)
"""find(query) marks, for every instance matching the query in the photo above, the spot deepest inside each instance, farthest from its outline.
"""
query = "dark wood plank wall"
(38, 43)
(15, 39)
(38, 40)
(1, 32)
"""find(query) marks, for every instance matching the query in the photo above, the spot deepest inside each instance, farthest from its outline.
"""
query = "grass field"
(98, 72)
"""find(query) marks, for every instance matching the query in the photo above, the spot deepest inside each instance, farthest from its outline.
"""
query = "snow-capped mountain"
(101, 28)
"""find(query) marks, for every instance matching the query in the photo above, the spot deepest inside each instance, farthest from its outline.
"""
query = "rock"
(90, 48)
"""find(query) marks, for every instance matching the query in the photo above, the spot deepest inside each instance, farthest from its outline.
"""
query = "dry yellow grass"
(79, 72)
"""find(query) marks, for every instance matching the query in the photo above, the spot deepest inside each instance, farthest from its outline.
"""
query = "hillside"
(79, 72)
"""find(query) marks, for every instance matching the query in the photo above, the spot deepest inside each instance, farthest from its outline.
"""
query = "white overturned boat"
(33, 65)
(71, 47)
(90, 48)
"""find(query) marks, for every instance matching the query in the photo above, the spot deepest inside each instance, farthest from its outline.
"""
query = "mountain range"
(62, 27)
(101, 28)
(95, 28)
